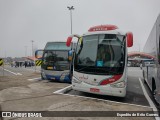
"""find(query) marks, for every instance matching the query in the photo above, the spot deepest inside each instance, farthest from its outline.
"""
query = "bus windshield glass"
(100, 54)
(55, 60)
(57, 46)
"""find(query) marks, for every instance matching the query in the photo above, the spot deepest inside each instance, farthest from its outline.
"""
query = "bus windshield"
(55, 60)
(56, 46)
(100, 54)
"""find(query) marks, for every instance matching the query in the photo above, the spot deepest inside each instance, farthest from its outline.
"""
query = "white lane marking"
(10, 72)
(34, 79)
(13, 72)
(19, 74)
(61, 91)
(32, 69)
(149, 99)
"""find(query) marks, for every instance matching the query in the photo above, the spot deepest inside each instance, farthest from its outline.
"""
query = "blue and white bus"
(56, 64)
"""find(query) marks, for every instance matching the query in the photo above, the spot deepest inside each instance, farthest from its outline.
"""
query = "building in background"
(136, 58)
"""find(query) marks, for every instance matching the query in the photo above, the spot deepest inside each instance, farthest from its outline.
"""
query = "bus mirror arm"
(36, 54)
(70, 55)
(69, 39)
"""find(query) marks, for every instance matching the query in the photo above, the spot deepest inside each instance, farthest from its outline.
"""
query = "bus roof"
(116, 31)
(60, 45)
(104, 29)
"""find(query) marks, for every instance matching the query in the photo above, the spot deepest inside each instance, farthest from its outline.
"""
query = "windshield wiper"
(82, 68)
(107, 71)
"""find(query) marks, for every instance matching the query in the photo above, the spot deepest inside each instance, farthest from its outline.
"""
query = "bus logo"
(83, 77)
(111, 80)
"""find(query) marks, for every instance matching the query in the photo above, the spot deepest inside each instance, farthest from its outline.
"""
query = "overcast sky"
(49, 20)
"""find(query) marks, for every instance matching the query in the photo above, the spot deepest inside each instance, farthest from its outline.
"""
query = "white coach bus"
(100, 61)
(151, 69)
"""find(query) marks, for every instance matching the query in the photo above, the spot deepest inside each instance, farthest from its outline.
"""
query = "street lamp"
(32, 47)
(70, 8)
(33, 55)
(139, 47)
(25, 51)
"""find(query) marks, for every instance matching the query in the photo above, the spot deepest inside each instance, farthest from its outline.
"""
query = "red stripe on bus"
(111, 80)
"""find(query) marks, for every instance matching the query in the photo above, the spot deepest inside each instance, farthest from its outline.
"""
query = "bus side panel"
(158, 61)
(150, 48)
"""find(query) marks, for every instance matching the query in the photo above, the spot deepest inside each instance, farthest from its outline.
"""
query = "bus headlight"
(119, 85)
(43, 75)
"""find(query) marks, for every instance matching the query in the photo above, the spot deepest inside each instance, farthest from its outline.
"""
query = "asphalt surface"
(21, 89)
(11, 71)
(134, 95)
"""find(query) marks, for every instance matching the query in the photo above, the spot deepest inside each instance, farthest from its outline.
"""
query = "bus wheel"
(144, 78)
(154, 89)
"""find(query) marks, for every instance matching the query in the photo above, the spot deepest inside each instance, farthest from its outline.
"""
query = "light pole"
(25, 51)
(71, 8)
(32, 47)
(33, 55)
(139, 47)
(5, 54)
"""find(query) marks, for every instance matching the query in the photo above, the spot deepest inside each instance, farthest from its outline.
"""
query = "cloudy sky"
(49, 20)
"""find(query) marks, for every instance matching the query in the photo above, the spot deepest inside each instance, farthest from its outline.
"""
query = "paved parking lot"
(134, 95)
(27, 92)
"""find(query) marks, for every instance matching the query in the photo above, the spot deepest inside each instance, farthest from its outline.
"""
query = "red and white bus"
(100, 61)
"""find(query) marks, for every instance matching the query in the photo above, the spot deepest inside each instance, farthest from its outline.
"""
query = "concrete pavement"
(17, 93)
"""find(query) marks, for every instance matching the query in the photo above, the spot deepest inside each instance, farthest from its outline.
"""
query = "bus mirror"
(129, 39)
(39, 54)
(36, 52)
(70, 55)
(69, 40)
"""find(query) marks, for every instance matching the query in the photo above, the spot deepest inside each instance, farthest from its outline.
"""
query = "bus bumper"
(65, 78)
(101, 90)
(61, 76)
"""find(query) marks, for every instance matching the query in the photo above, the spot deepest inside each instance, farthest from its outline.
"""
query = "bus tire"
(144, 78)
(153, 86)
(154, 89)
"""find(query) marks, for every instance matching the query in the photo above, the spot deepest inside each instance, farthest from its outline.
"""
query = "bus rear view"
(100, 61)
